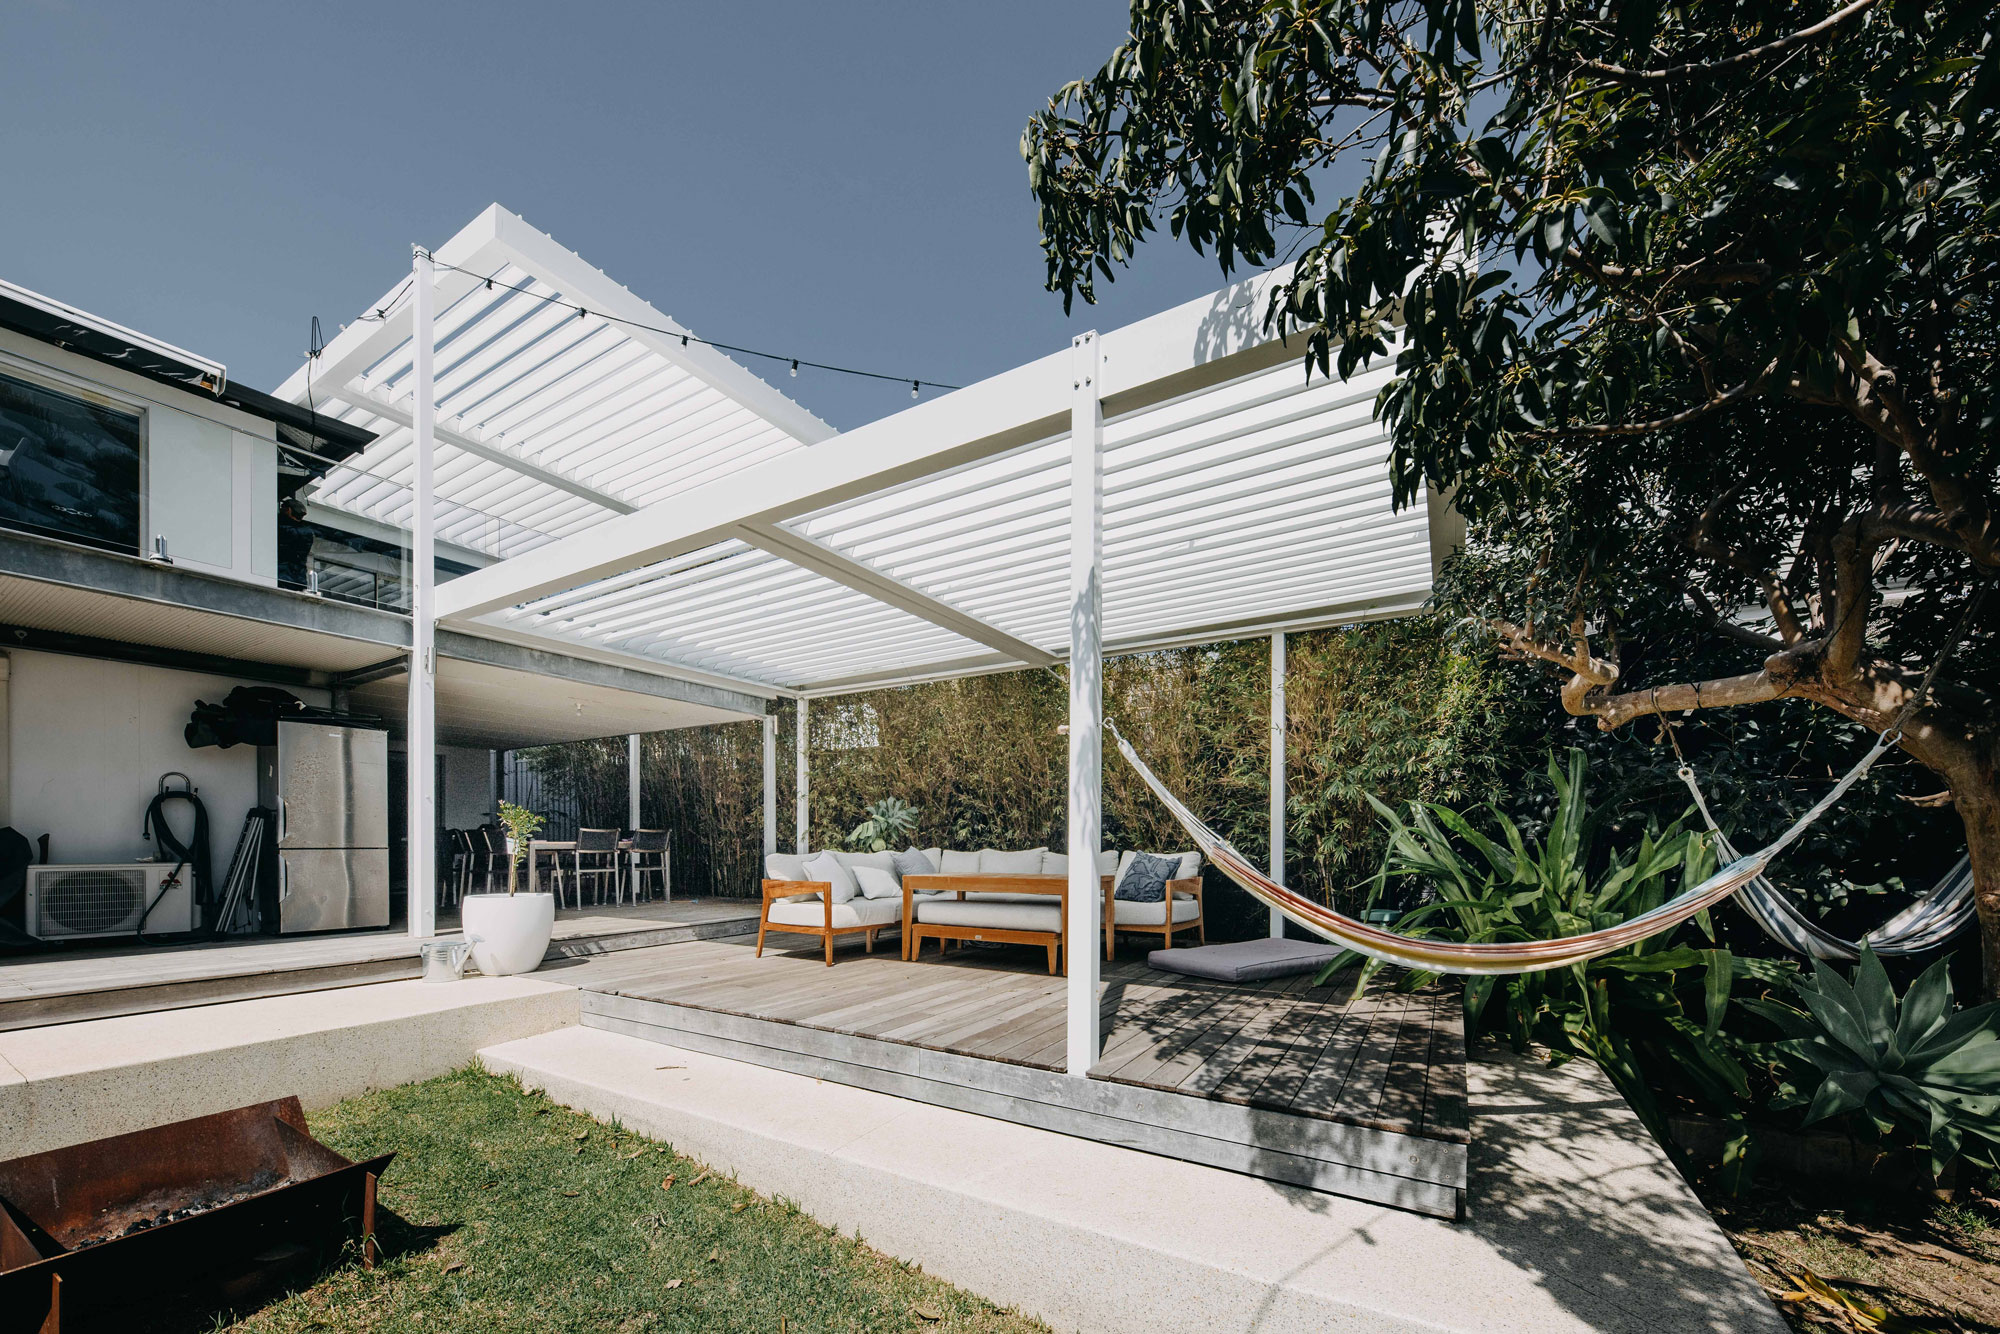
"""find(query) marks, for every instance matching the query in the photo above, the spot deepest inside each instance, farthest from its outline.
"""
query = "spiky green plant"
(890, 820)
(1915, 1067)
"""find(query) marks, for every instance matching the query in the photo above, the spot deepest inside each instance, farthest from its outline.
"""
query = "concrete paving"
(1576, 1220)
(68, 1083)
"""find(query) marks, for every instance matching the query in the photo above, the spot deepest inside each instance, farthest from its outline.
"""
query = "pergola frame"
(1250, 501)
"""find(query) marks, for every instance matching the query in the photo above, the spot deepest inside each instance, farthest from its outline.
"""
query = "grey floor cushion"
(1246, 960)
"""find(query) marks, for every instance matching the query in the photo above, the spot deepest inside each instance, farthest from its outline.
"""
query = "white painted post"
(421, 867)
(802, 814)
(632, 781)
(1081, 932)
(1278, 772)
(770, 783)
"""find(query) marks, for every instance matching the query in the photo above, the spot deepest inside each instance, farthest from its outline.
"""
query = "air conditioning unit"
(80, 902)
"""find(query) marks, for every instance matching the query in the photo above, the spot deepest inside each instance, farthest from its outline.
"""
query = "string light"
(916, 385)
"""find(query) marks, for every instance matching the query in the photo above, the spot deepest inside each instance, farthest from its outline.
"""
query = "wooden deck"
(102, 980)
(1358, 1095)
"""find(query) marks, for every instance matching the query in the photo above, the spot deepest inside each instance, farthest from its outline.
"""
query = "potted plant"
(510, 932)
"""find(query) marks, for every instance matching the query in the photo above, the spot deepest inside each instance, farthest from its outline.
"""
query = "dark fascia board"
(322, 435)
(151, 655)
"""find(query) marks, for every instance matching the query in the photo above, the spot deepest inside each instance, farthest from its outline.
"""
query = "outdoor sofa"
(1017, 897)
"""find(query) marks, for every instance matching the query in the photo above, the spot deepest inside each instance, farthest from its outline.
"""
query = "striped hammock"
(1522, 956)
(1925, 925)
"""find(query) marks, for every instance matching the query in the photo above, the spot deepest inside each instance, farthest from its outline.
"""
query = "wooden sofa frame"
(784, 889)
(1167, 930)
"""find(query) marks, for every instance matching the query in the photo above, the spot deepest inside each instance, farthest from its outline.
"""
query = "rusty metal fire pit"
(135, 1217)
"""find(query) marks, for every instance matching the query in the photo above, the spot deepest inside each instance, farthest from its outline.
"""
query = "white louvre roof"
(677, 511)
(548, 421)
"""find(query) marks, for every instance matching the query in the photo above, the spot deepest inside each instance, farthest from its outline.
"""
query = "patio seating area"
(1361, 1095)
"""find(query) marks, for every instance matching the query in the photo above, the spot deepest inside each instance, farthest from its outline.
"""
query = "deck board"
(1379, 1059)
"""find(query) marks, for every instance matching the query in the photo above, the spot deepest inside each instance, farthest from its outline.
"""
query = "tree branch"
(1681, 418)
(1622, 74)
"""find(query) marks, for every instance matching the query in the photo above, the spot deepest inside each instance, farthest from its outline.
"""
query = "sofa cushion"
(982, 910)
(952, 862)
(912, 861)
(1055, 863)
(1246, 960)
(877, 883)
(1125, 912)
(995, 862)
(854, 912)
(1144, 878)
(827, 867)
(785, 866)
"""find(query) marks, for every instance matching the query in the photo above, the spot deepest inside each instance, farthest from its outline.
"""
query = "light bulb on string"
(913, 389)
(795, 368)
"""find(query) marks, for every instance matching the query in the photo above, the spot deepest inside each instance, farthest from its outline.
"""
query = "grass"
(508, 1213)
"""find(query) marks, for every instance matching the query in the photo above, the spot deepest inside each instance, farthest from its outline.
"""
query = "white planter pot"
(512, 931)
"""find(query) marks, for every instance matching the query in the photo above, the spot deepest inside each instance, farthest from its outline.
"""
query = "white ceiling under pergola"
(657, 502)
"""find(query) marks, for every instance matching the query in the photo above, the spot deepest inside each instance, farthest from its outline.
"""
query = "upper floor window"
(69, 467)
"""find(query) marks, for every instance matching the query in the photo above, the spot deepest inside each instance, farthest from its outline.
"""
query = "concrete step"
(74, 1082)
(1576, 1221)
(64, 989)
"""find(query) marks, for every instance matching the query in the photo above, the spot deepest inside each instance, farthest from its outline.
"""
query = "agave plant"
(1636, 1007)
(1915, 1065)
(890, 820)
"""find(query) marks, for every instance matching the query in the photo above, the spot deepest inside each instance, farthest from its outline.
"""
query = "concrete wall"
(468, 797)
(89, 740)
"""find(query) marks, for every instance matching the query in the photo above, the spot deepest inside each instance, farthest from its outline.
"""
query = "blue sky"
(840, 182)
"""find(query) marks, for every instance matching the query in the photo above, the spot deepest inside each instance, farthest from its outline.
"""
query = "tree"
(1686, 302)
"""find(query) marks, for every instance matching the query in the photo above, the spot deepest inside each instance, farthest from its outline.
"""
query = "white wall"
(467, 796)
(88, 743)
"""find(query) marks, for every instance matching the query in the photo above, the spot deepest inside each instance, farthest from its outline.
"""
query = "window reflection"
(69, 468)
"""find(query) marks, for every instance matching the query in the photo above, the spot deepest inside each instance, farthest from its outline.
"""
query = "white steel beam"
(823, 560)
(1081, 932)
(632, 781)
(770, 783)
(802, 809)
(1186, 348)
(421, 745)
(1278, 734)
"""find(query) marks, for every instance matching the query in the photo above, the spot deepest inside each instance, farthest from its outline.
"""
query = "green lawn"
(510, 1213)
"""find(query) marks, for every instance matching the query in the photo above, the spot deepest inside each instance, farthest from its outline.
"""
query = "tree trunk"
(1980, 810)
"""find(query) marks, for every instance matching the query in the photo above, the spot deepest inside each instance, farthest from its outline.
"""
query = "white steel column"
(770, 783)
(1277, 868)
(1081, 939)
(802, 828)
(422, 753)
(632, 781)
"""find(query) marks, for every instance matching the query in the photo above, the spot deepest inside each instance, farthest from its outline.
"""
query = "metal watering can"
(444, 960)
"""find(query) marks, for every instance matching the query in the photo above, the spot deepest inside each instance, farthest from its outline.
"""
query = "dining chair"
(594, 857)
(649, 853)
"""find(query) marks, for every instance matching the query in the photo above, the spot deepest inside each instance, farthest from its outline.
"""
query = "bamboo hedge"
(1395, 709)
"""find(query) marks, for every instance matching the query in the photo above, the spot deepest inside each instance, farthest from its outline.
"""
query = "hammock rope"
(1485, 957)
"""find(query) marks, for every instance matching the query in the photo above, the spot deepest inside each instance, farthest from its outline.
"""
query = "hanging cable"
(916, 385)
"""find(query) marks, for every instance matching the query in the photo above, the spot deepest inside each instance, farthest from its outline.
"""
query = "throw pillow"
(1145, 880)
(877, 883)
(827, 867)
(784, 866)
(913, 861)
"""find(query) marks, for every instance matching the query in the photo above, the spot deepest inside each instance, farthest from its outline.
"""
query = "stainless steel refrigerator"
(330, 788)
